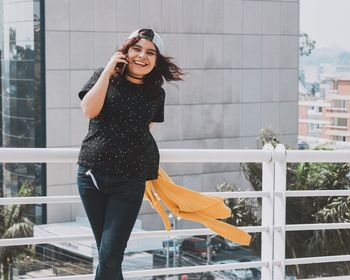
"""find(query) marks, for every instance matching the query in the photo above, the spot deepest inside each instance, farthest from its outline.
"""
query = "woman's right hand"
(118, 57)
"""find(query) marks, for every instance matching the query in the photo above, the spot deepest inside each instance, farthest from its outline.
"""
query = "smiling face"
(142, 58)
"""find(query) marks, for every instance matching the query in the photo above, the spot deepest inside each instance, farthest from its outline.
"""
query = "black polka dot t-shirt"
(119, 141)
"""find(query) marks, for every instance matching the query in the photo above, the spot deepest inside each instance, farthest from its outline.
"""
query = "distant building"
(324, 117)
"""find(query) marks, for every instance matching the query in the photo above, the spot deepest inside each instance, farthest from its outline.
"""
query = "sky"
(326, 21)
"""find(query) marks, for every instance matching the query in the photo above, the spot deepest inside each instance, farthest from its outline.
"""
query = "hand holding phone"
(121, 66)
(117, 64)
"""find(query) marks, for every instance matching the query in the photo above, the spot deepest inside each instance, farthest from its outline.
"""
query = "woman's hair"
(164, 69)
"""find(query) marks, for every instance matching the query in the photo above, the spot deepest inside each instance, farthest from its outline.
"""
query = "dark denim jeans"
(112, 204)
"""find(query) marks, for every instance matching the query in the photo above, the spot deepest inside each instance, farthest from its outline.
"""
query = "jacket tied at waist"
(193, 206)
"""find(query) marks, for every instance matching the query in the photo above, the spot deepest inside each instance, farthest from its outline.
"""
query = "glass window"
(22, 114)
(18, 88)
(18, 31)
(18, 11)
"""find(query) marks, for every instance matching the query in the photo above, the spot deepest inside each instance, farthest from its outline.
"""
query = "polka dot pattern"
(119, 141)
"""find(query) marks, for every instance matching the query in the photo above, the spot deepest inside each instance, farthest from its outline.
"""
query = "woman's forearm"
(93, 101)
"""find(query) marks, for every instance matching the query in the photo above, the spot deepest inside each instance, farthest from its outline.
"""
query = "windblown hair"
(164, 69)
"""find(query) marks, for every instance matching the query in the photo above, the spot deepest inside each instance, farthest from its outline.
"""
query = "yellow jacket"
(192, 206)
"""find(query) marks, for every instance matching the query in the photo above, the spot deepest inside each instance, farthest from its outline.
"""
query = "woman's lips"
(140, 63)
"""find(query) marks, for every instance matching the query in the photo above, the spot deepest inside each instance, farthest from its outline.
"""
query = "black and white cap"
(150, 35)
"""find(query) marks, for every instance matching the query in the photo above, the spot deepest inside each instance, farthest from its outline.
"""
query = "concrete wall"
(242, 60)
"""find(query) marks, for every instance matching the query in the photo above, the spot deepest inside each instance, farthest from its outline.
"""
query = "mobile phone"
(121, 67)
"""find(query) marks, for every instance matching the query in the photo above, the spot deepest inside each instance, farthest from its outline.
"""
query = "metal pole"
(209, 238)
(208, 249)
(280, 212)
(174, 245)
(268, 174)
(167, 253)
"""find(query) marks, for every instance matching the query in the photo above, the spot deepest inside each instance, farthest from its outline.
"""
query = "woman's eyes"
(138, 50)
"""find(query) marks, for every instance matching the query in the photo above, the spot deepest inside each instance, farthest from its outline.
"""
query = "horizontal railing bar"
(194, 269)
(134, 235)
(39, 200)
(31, 155)
(302, 227)
(166, 155)
(323, 259)
(243, 194)
(214, 155)
(317, 156)
(330, 278)
(73, 277)
(190, 232)
(42, 240)
(179, 155)
(76, 199)
(172, 271)
(316, 193)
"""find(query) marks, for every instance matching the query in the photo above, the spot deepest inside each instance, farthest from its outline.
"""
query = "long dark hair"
(164, 69)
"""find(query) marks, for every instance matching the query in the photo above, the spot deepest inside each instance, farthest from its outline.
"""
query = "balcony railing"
(273, 226)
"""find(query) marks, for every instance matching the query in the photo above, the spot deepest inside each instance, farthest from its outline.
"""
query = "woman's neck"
(133, 79)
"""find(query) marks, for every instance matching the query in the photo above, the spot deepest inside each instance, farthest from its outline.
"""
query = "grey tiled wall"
(242, 60)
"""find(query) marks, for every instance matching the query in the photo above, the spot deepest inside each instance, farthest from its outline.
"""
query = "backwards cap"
(149, 35)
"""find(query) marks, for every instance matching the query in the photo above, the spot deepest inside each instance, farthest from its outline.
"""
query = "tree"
(306, 45)
(245, 212)
(13, 224)
(305, 176)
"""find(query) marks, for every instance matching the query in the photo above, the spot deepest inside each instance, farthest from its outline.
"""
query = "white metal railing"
(273, 227)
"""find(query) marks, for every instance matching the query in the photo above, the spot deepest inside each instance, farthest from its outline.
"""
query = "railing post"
(279, 212)
(268, 170)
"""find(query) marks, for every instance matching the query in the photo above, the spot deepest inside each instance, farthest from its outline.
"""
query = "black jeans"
(112, 204)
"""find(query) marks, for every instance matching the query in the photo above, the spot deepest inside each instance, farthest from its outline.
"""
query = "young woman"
(119, 153)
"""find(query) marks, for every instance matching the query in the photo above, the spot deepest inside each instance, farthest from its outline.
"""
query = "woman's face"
(142, 58)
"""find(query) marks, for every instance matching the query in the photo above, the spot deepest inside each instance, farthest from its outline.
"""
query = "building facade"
(241, 57)
(23, 96)
(325, 117)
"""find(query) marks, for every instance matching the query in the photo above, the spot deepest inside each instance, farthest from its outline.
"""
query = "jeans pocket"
(85, 181)
(93, 178)
(82, 170)
(88, 174)
(85, 185)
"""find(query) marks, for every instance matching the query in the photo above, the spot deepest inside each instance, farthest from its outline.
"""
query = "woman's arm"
(92, 102)
(94, 99)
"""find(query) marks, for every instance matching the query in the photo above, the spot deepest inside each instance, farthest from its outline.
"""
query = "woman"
(119, 153)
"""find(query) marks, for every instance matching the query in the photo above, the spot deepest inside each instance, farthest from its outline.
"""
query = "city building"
(324, 117)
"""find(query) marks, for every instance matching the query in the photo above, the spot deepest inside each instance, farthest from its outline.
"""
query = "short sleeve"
(159, 114)
(90, 83)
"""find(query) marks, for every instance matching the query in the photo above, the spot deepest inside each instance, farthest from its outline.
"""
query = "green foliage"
(306, 45)
(305, 210)
(244, 212)
(13, 224)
